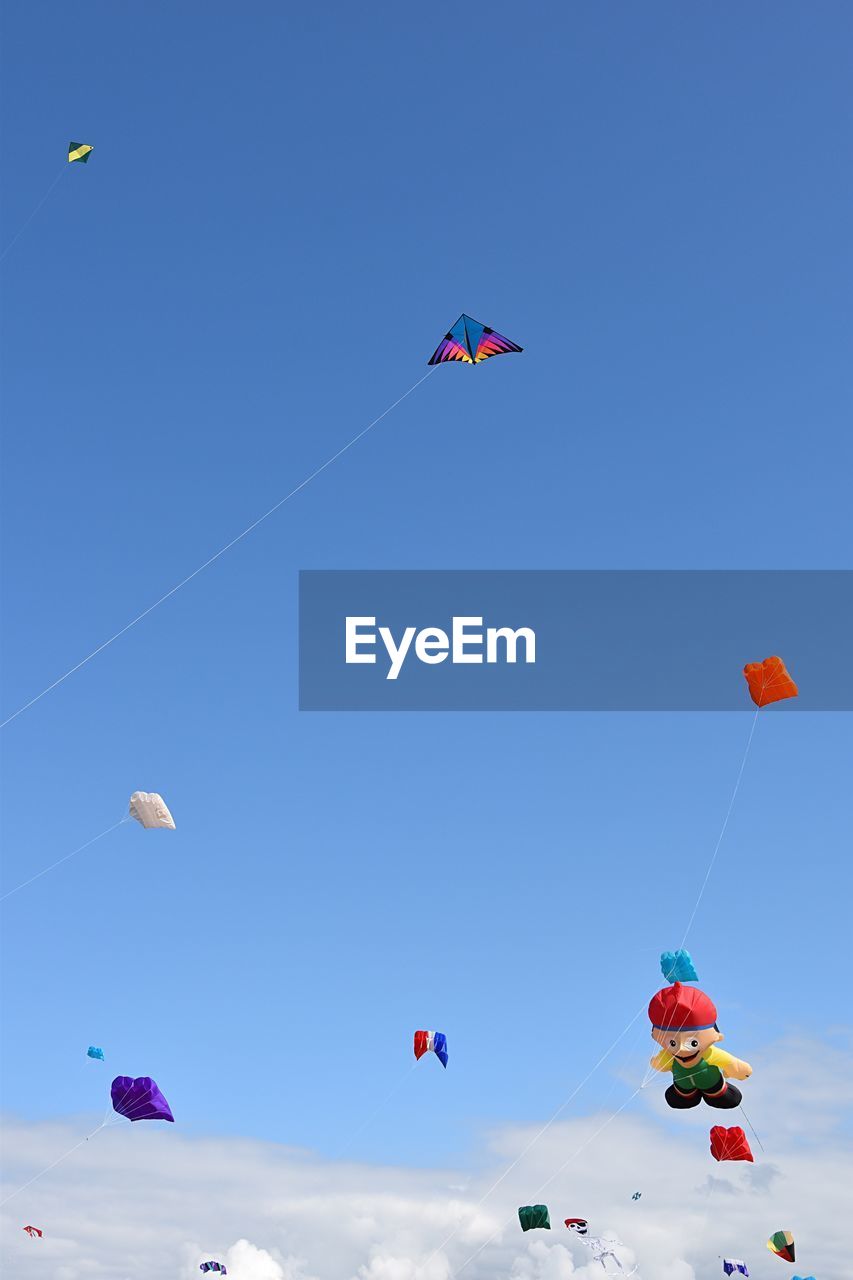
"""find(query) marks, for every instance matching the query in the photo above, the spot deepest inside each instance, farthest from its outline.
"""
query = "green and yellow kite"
(78, 151)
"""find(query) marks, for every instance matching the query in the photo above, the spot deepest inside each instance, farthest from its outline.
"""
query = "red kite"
(769, 681)
(730, 1144)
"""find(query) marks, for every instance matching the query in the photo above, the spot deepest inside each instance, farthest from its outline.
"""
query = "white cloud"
(248, 1262)
(149, 1204)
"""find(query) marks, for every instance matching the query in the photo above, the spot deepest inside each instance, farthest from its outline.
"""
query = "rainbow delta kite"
(472, 343)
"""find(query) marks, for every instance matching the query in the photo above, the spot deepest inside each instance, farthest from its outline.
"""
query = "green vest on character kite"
(684, 1023)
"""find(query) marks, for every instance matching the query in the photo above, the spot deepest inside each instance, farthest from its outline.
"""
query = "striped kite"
(472, 343)
(782, 1244)
(435, 1041)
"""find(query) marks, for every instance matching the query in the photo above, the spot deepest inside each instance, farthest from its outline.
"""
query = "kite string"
(380, 1107)
(542, 1131)
(217, 554)
(108, 1121)
(713, 860)
(722, 829)
(548, 1181)
(59, 861)
(754, 1134)
(59, 1160)
(25, 224)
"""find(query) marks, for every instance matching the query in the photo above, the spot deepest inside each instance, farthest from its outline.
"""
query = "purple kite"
(139, 1099)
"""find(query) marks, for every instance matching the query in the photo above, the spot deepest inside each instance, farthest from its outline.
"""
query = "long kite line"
(543, 1188)
(221, 552)
(59, 861)
(109, 1121)
(16, 237)
(546, 1126)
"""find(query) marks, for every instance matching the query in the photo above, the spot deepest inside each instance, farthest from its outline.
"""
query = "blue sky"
(284, 211)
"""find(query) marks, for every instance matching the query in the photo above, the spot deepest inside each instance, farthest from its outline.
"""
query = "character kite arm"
(661, 1061)
(731, 1067)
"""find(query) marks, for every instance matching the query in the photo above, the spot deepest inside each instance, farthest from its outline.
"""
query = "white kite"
(151, 810)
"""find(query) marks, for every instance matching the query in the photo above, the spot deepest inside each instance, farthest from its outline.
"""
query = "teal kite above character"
(677, 966)
(94, 1052)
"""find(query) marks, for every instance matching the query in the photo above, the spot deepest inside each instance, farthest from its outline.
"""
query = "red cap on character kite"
(679, 1008)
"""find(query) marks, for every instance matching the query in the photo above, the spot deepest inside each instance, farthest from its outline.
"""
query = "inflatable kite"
(734, 1266)
(602, 1248)
(139, 1099)
(730, 1144)
(684, 1024)
(769, 682)
(32, 1232)
(677, 966)
(94, 1052)
(782, 1244)
(151, 810)
(471, 342)
(214, 1266)
(533, 1216)
(431, 1040)
(79, 151)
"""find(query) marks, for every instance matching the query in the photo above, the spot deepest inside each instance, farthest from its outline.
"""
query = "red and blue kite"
(471, 342)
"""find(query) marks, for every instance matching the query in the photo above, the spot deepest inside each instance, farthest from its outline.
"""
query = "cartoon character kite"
(684, 1023)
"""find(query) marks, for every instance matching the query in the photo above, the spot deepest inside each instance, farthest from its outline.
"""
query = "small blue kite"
(677, 966)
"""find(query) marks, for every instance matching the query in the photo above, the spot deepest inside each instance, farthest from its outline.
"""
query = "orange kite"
(769, 681)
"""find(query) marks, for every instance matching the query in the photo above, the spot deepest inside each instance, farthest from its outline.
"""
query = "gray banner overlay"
(586, 640)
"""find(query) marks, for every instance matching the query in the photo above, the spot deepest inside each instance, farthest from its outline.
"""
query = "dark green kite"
(534, 1215)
